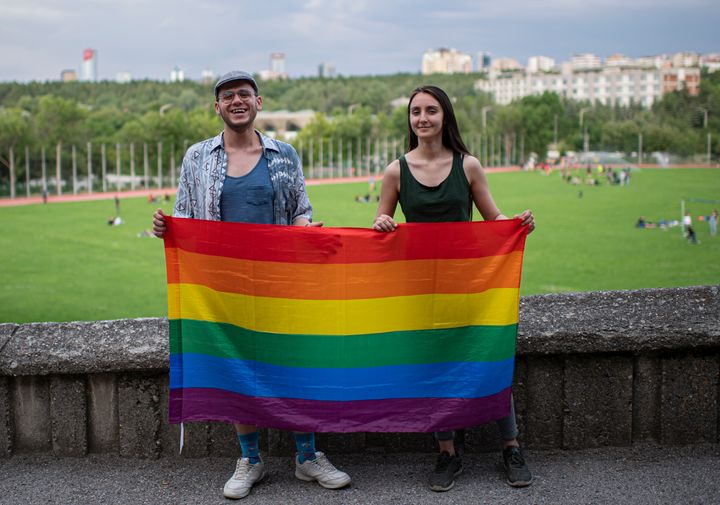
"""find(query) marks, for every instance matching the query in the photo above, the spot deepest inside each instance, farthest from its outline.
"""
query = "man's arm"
(302, 213)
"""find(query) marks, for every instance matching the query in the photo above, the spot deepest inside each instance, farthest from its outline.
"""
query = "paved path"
(638, 476)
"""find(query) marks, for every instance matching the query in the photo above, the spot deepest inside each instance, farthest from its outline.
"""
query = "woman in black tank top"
(438, 180)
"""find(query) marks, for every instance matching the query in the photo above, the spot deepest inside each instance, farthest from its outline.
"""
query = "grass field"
(62, 262)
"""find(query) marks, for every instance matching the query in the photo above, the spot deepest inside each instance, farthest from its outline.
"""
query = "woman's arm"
(389, 192)
(484, 200)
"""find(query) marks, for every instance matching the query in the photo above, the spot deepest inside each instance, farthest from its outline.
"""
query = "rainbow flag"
(343, 329)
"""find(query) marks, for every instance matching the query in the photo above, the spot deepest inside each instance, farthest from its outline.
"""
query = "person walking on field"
(243, 176)
(438, 181)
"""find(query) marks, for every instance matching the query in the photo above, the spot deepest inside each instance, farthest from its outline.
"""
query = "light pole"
(586, 146)
(709, 137)
(483, 111)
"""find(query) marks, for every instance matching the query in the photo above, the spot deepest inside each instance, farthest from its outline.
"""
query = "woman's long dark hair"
(450, 133)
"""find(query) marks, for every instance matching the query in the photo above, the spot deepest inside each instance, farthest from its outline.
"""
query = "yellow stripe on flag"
(344, 317)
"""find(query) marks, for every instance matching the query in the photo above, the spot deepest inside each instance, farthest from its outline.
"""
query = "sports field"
(62, 262)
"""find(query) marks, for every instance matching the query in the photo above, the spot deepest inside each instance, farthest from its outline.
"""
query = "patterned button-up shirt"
(203, 174)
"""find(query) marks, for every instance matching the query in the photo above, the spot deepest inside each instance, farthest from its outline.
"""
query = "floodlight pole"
(709, 145)
(484, 116)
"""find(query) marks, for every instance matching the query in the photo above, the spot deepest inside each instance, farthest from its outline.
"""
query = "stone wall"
(592, 369)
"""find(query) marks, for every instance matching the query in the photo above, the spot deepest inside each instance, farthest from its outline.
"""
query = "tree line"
(350, 108)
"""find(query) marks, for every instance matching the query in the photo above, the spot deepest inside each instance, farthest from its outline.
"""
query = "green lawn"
(62, 262)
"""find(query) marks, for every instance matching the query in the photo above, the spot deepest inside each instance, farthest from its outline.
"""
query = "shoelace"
(443, 462)
(516, 459)
(324, 464)
(242, 470)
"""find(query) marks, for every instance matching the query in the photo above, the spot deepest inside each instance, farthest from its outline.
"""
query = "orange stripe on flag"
(314, 281)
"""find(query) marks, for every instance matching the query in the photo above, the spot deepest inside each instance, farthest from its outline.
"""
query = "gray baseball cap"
(236, 75)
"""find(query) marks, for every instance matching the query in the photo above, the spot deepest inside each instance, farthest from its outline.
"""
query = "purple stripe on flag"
(399, 414)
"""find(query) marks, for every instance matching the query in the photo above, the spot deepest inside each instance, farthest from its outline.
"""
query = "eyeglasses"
(243, 94)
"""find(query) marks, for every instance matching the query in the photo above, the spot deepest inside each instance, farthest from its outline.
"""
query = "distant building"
(88, 70)
(618, 60)
(711, 62)
(657, 61)
(610, 85)
(68, 75)
(326, 70)
(177, 75)
(537, 64)
(123, 77)
(276, 70)
(483, 61)
(446, 61)
(207, 76)
(585, 61)
(505, 65)
(685, 59)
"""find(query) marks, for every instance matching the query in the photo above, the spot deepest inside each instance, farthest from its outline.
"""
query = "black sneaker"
(446, 469)
(518, 473)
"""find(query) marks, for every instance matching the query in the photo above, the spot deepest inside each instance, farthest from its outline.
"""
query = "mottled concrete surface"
(638, 475)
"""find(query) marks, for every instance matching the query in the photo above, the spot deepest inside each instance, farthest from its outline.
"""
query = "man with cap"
(242, 175)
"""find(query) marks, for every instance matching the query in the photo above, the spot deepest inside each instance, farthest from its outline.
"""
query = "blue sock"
(249, 446)
(305, 443)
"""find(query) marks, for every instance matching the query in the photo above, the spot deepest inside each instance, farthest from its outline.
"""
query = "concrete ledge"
(592, 370)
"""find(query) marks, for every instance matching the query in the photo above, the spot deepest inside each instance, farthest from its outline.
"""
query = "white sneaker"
(243, 479)
(321, 470)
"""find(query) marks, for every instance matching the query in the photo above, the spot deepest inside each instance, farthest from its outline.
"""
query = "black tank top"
(450, 200)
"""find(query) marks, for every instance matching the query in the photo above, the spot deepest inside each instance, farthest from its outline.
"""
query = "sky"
(40, 38)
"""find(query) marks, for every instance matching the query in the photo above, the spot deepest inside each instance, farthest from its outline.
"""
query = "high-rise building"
(277, 64)
(68, 75)
(446, 61)
(585, 61)
(177, 74)
(537, 64)
(326, 69)
(207, 76)
(505, 65)
(609, 85)
(276, 70)
(88, 71)
(123, 77)
(483, 61)
(619, 60)
(711, 62)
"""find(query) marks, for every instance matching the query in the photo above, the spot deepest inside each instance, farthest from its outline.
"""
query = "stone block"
(68, 415)
(6, 418)
(598, 399)
(340, 443)
(139, 415)
(483, 438)
(646, 399)
(169, 433)
(223, 442)
(280, 443)
(406, 442)
(32, 414)
(102, 413)
(689, 399)
(544, 397)
(520, 393)
(195, 443)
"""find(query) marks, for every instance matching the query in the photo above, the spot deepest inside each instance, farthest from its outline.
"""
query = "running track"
(52, 198)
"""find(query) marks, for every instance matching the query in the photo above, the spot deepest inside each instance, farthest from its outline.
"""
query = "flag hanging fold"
(343, 329)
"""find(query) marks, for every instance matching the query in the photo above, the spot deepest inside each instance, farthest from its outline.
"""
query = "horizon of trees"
(352, 109)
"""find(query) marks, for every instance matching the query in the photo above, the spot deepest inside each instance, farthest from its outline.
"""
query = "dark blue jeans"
(507, 425)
